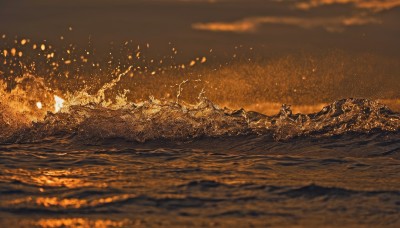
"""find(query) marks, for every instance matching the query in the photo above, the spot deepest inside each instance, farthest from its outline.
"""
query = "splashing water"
(157, 119)
(58, 103)
(84, 148)
(32, 110)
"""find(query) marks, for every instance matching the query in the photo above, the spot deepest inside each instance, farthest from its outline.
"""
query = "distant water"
(166, 164)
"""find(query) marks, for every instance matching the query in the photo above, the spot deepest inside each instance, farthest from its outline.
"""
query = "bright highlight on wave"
(39, 105)
(58, 103)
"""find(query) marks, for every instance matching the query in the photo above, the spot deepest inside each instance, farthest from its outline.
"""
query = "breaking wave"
(67, 94)
(158, 119)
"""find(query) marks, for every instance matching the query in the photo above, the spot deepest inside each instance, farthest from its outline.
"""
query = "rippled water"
(159, 164)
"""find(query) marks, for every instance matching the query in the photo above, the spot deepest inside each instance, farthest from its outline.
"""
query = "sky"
(271, 27)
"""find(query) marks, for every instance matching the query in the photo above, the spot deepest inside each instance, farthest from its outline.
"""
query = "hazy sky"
(195, 26)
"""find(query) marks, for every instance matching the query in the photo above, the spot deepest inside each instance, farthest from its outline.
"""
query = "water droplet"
(13, 51)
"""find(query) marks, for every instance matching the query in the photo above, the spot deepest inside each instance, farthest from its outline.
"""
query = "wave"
(76, 95)
(110, 201)
(156, 119)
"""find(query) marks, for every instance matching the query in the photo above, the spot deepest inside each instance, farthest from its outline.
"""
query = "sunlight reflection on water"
(81, 222)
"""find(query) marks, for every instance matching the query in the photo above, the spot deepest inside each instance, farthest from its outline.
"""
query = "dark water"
(203, 166)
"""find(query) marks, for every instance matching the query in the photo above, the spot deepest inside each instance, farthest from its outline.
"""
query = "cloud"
(372, 5)
(252, 24)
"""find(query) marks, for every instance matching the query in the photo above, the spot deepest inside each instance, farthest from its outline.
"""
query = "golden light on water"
(81, 222)
(57, 180)
(227, 85)
(71, 203)
(56, 202)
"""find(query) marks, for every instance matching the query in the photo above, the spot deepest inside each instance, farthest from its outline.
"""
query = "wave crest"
(155, 119)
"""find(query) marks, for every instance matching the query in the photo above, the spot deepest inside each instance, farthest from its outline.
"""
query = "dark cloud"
(373, 5)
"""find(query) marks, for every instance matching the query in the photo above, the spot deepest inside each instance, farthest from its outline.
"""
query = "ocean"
(166, 164)
(199, 113)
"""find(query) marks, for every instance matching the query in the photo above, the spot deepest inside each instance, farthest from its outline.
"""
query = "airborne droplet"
(13, 51)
